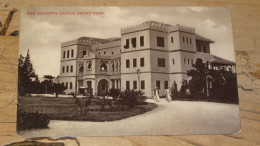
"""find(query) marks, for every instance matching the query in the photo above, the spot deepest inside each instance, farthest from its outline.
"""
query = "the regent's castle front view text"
(146, 56)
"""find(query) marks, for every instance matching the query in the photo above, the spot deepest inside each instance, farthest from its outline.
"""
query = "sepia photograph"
(126, 71)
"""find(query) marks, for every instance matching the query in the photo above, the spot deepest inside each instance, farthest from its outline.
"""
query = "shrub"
(173, 89)
(105, 104)
(129, 98)
(184, 87)
(114, 93)
(32, 120)
(132, 98)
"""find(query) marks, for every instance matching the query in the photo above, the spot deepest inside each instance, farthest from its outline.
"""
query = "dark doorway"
(102, 87)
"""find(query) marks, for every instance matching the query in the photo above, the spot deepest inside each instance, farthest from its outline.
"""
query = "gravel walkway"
(173, 118)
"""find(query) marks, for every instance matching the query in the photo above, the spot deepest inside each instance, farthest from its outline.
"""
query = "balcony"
(104, 72)
(80, 60)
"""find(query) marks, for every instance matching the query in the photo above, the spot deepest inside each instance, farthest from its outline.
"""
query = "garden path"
(173, 118)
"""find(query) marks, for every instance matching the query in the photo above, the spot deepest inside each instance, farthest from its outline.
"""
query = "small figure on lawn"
(168, 96)
(156, 93)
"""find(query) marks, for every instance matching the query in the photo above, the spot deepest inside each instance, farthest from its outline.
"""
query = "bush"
(132, 98)
(32, 120)
(114, 93)
(184, 87)
(129, 98)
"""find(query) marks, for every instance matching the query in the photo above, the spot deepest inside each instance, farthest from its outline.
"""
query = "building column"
(119, 81)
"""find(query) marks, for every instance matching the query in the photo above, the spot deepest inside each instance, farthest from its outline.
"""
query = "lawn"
(65, 109)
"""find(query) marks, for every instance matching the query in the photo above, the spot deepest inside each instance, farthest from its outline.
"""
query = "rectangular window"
(63, 69)
(183, 39)
(142, 62)
(173, 62)
(134, 62)
(190, 41)
(160, 41)
(158, 84)
(172, 40)
(133, 42)
(142, 84)
(67, 85)
(135, 84)
(205, 49)
(126, 46)
(191, 61)
(64, 54)
(89, 84)
(127, 63)
(199, 49)
(142, 41)
(187, 40)
(84, 53)
(70, 85)
(71, 68)
(127, 85)
(72, 53)
(165, 84)
(184, 61)
(67, 70)
(188, 61)
(161, 62)
(68, 54)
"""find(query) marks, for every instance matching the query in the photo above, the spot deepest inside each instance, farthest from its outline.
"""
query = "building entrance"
(103, 87)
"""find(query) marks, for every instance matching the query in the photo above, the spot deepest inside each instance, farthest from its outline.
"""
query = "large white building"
(148, 55)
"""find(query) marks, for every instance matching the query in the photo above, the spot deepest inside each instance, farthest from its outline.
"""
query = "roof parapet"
(87, 42)
(106, 45)
(68, 43)
(157, 26)
(184, 28)
(146, 25)
(100, 56)
(80, 41)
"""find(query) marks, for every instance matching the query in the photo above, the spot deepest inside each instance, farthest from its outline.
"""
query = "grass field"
(65, 109)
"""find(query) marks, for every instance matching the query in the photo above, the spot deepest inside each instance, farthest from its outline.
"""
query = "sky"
(43, 34)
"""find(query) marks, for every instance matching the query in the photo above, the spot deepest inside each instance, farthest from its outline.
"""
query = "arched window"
(103, 67)
(90, 66)
(116, 66)
(113, 66)
(81, 69)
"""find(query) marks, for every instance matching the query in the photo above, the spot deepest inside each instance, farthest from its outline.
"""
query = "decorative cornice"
(153, 49)
(158, 26)
(156, 72)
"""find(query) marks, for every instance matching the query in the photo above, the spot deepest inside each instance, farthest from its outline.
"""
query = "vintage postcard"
(126, 71)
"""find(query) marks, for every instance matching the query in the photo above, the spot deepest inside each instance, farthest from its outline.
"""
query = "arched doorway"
(103, 87)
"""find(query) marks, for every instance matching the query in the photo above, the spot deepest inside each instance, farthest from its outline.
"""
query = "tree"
(49, 77)
(197, 84)
(184, 87)
(58, 88)
(36, 85)
(174, 91)
(223, 82)
(48, 83)
(25, 72)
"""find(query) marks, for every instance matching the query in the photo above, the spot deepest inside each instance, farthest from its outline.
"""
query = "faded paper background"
(246, 22)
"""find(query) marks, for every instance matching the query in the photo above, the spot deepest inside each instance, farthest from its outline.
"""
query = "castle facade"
(146, 56)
